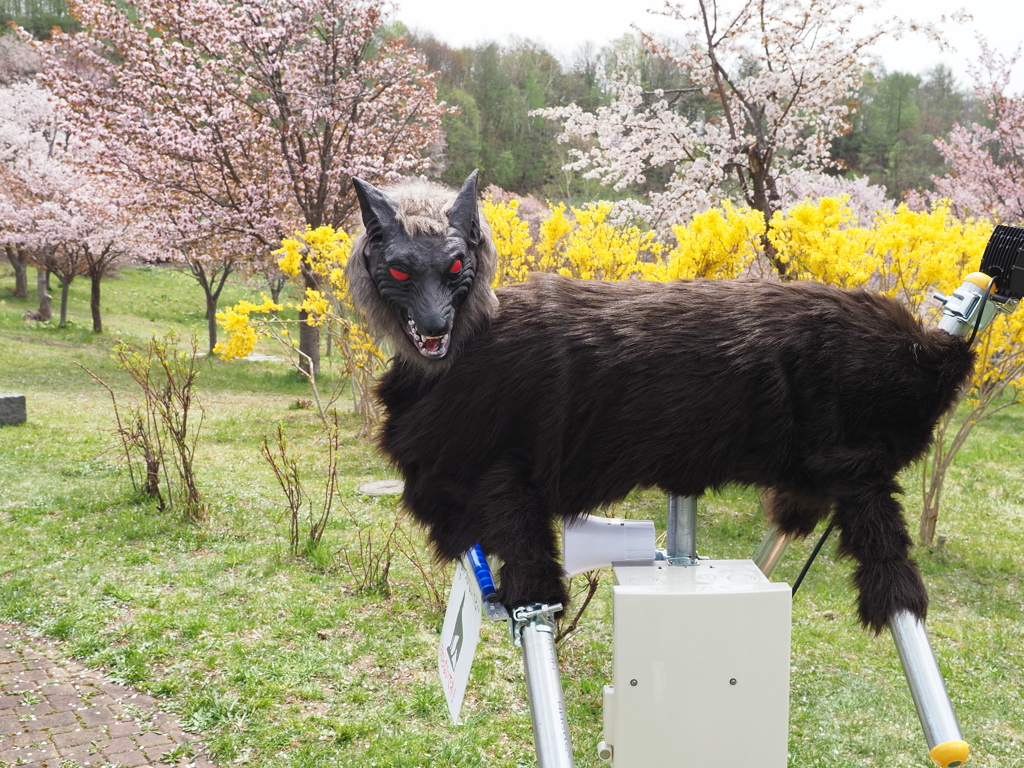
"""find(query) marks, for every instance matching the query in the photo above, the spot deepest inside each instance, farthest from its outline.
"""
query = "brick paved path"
(55, 713)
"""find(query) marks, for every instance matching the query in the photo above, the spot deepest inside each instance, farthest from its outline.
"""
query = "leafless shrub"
(286, 469)
(160, 430)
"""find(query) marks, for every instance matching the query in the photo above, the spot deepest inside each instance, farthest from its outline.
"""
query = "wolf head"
(421, 271)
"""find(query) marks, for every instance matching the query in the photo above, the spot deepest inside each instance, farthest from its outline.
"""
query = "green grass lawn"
(320, 661)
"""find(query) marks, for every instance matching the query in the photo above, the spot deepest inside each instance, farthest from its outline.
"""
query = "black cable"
(814, 554)
(981, 311)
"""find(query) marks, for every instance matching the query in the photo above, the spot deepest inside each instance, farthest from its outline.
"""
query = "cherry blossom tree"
(776, 77)
(18, 62)
(31, 177)
(54, 214)
(243, 120)
(986, 174)
(98, 236)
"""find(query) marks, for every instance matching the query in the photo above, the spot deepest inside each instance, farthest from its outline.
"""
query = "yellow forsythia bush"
(242, 333)
(595, 249)
(906, 254)
(511, 236)
(923, 251)
(322, 251)
(719, 243)
(582, 242)
(818, 240)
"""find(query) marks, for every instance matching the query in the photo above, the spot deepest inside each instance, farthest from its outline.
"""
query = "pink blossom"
(241, 121)
(775, 78)
(986, 175)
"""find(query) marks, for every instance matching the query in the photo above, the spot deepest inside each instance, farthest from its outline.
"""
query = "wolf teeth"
(421, 341)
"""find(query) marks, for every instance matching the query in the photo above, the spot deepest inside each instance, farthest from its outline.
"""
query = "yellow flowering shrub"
(512, 241)
(581, 243)
(290, 261)
(1001, 356)
(596, 249)
(820, 241)
(316, 306)
(326, 250)
(718, 243)
(322, 252)
(242, 334)
(553, 232)
(921, 251)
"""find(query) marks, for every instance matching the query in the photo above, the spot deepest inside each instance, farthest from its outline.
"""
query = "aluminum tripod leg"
(773, 546)
(534, 629)
(941, 730)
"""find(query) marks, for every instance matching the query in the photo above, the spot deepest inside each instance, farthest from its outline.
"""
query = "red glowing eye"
(399, 275)
(457, 266)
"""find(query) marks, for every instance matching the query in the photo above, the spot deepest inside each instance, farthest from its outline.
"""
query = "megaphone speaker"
(593, 542)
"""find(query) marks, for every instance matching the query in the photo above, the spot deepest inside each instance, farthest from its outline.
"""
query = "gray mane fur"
(423, 210)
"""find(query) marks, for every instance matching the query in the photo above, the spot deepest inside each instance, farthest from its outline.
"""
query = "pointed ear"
(380, 212)
(464, 215)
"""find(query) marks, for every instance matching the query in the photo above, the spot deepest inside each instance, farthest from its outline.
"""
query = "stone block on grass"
(12, 409)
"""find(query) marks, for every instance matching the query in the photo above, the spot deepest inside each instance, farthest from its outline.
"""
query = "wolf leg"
(874, 533)
(517, 529)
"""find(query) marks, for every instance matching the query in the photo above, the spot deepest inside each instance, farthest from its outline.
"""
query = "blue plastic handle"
(481, 570)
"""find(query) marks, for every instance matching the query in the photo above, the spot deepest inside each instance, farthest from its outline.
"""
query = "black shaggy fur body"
(573, 393)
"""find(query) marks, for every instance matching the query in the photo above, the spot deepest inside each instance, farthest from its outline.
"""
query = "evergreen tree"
(898, 119)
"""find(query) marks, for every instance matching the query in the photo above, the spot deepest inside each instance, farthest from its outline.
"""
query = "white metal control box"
(700, 667)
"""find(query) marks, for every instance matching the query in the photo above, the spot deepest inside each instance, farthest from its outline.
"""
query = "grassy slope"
(307, 663)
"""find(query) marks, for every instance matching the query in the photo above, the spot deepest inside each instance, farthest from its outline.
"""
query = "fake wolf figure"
(555, 397)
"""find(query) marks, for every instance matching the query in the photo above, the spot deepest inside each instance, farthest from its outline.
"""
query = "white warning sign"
(459, 636)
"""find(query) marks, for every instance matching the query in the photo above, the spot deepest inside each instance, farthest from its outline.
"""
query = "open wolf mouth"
(434, 347)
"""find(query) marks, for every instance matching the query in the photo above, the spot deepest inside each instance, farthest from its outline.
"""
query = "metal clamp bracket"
(540, 616)
(967, 310)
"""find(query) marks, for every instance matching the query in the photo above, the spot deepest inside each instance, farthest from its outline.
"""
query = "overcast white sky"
(563, 25)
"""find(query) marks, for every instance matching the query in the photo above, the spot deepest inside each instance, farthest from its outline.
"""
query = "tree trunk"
(309, 335)
(20, 265)
(771, 252)
(212, 283)
(94, 303)
(764, 198)
(45, 312)
(276, 284)
(65, 286)
(211, 318)
(309, 346)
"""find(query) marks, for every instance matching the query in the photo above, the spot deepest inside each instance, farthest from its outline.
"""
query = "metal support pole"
(534, 628)
(771, 549)
(934, 709)
(681, 530)
(941, 729)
